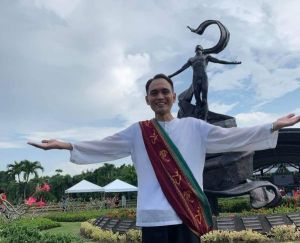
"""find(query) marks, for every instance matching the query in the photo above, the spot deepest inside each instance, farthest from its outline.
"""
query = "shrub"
(23, 234)
(234, 236)
(86, 215)
(134, 235)
(34, 223)
(60, 238)
(20, 234)
(285, 233)
(90, 231)
(233, 205)
(74, 216)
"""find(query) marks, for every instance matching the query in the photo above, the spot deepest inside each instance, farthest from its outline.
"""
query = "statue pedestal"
(226, 174)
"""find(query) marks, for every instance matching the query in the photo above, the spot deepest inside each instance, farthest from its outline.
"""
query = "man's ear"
(174, 97)
(146, 98)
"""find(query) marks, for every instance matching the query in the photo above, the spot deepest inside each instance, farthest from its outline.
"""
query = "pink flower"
(45, 187)
(3, 196)
(40, 203)
(30, 201)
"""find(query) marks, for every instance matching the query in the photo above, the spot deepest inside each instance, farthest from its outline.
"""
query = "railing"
(73, 206)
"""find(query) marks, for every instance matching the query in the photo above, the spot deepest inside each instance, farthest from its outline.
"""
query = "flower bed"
(280, 233)
(88, 230)
(86, 215)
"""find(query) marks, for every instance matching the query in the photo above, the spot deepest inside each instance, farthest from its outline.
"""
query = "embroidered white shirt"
(193, 137)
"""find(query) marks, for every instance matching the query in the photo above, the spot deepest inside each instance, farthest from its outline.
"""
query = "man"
(160, 212)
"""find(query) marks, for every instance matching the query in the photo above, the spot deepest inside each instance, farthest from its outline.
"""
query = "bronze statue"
(226, 174)
(199, 63)
(200, 82)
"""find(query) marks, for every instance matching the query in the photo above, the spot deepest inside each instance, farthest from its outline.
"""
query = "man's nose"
(160, 95)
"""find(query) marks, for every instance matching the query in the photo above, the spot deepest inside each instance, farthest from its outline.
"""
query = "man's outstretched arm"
(52, 144)
(94, 151)
(253, 138)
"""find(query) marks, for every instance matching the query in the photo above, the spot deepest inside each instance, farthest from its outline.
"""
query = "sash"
(176, 180)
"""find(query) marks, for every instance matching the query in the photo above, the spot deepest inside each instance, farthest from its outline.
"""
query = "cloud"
(257, 118)
(70, 68)
(254, 118)
(9, 145)
(286, 23)
(221, 108)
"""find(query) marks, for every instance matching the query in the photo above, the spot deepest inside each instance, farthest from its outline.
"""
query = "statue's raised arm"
(185, 66)
(215, 60)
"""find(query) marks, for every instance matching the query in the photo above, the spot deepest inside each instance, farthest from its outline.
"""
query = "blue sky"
(75, 70)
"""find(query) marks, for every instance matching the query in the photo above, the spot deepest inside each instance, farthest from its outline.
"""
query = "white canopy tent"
(84, 186)
(119, 186)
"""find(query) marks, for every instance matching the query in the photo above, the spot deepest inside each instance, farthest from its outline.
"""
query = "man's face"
(160, 97)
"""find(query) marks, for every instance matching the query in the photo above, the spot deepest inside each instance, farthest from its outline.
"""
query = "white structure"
(119, 186)
(84, 186)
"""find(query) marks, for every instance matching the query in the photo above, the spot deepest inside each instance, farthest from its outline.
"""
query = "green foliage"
(20, 234)
(60, 238)
(16, 180)
(234, 236)
(88, 230)
(121, 213)
(291, 202)
(285, 233)
(59, 183)
(234, 205)
(74, 216)
(24, 234)
(86, 215)
(34, 223)
(47, 196)
(277, 210)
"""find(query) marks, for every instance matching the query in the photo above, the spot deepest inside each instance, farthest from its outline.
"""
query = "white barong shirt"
(193, 137)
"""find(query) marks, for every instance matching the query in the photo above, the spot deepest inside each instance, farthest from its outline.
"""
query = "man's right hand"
(52, 144)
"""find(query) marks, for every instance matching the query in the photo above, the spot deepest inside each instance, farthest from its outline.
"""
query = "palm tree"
(58, 171)
(29, 168)
(15, 170)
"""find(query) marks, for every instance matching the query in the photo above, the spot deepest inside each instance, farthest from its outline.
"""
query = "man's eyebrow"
(160, 89)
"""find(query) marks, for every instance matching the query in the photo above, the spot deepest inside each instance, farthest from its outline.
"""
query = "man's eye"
(153, 93)
(166, 91)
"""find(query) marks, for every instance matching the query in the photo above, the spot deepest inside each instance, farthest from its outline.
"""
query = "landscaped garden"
(44, 219)
(78, 226)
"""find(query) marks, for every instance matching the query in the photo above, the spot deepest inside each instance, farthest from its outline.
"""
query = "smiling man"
(169, 155)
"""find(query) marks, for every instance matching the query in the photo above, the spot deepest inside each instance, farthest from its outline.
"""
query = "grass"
(69, 228)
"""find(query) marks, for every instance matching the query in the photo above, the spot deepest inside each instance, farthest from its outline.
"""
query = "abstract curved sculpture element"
(226, 174)
(224, 35)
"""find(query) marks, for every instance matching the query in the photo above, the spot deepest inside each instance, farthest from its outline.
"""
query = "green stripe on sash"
(186, 171)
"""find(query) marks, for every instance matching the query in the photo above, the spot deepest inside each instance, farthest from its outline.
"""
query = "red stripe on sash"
(174, 183)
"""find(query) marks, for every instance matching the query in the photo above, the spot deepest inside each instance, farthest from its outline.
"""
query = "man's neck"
(166, 117)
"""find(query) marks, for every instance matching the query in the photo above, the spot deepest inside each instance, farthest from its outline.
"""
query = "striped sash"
(175, 178)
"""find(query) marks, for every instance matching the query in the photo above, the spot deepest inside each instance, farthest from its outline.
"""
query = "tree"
(29, 168)
(14, 170)
(58, 171)
(105, 174)
(127, 173)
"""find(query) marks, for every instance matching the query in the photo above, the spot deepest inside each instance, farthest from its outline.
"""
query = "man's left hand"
(286, 121)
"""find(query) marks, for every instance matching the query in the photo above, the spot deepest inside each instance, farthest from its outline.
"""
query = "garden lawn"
(68, 228)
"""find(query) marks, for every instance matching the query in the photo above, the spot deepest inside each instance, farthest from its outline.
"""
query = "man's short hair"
(157, 76)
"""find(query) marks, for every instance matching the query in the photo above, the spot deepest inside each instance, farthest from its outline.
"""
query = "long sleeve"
(110, 148)
(240, 139)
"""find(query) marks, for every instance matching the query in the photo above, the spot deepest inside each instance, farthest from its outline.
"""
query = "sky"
(75, 70)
